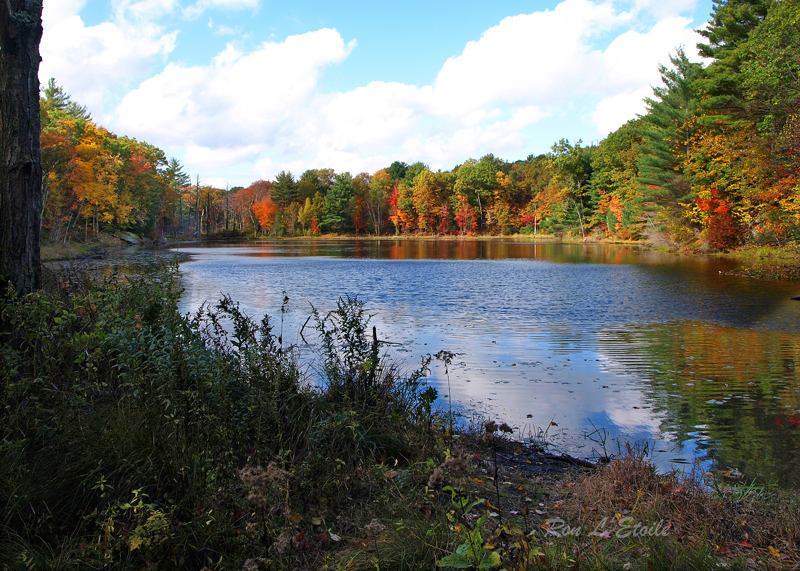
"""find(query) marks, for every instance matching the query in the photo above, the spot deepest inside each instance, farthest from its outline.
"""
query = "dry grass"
(734, 522)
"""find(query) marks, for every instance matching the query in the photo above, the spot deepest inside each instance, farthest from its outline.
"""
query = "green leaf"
(490, 560)
(455, 560)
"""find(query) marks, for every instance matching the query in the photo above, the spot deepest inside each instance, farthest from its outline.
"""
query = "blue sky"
(239, 90)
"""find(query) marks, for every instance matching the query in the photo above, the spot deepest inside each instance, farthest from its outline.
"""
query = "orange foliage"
(265, 211)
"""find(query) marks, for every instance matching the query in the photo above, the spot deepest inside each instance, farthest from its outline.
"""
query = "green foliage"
(667, 131)
(731, 23)
(284, 189)
(339, 202)
(772, 67)
(126, 426)
(397, 170)
(413, 171)
(470, 554)
(573, 169)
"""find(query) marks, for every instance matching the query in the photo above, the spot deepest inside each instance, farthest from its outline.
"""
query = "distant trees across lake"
(713, 161)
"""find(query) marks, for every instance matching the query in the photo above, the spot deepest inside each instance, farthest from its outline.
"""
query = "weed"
(471, 553)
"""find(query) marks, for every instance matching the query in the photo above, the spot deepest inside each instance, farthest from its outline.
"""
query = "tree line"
(713, 160)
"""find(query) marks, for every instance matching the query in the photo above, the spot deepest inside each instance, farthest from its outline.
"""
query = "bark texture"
(20, 150)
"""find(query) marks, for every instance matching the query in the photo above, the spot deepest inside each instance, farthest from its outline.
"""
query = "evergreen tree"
(55, 99)
(731, 23)
(284, 189)
(667, 132)
(339, 202)
(397, 170)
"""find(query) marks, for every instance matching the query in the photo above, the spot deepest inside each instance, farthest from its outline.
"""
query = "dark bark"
(20, 150)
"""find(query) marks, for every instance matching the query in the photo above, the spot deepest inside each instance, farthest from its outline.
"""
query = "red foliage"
(723, 231)
(466, 219)
(444, 219)
(394, 207)
(358, 217)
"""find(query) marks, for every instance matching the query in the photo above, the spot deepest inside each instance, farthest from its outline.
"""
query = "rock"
(127, 237)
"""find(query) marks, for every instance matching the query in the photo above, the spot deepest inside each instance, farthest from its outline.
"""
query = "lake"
(592, 345)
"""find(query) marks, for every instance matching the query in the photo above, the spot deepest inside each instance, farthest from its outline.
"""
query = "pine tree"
(731, 23)
(667, 130)
(284, 189)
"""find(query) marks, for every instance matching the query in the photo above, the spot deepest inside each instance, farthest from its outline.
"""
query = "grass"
(133, 437)
(770, 262)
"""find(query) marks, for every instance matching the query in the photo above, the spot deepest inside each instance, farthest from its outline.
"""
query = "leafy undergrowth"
(137, 438)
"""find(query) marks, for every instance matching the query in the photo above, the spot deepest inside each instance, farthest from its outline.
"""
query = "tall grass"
(130, 433)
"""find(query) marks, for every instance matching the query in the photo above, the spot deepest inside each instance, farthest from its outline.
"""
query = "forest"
(711, 164)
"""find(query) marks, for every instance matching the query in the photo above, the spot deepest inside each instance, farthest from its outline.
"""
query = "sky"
(239, 90)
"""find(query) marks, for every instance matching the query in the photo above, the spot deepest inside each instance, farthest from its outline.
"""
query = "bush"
(127, 427)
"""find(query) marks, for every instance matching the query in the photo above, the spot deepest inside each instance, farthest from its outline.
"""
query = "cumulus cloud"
(615, 111)
(92, 61)
(238, 99)
(630, 69)
(217, 157)
(265, 107)
(538, 57)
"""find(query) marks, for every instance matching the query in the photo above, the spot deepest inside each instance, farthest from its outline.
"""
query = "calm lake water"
(567, 338)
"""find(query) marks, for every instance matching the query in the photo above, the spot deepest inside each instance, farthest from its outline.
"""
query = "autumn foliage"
(712, 162)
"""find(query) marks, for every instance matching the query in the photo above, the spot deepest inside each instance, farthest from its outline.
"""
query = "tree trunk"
(20, 150)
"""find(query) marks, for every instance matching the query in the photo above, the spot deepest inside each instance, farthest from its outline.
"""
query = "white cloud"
(91, 61)
(216, 182)
(142, 10)
(223, 30)
(615, 111)
(661, 9)
(264, 109)
(532, 57)
(57, 11)
(238, 97)
(369, 118)
(202, 5)
(213, 158)
(630, 69)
